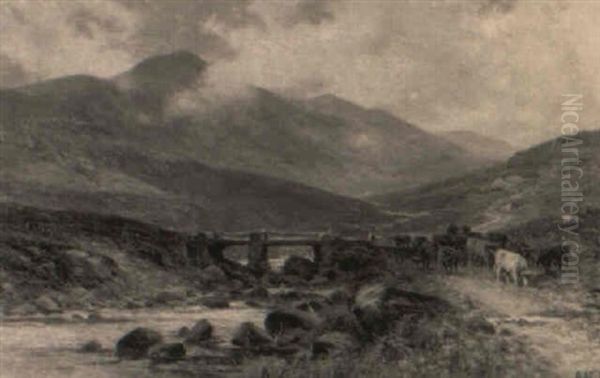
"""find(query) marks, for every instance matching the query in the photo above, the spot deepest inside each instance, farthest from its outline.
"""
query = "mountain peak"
(164, 73)
(331, 101)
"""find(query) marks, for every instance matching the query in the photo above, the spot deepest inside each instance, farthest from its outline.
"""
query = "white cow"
(512, 263)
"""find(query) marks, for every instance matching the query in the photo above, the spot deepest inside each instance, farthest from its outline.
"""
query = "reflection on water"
(35, 349)
(276, 263)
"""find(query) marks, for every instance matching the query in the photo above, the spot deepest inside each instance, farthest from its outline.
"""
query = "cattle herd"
(460, 247)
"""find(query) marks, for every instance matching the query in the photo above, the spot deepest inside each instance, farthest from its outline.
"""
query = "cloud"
(50, 39)
(311, 11)
(497, 6)
(498, 67)
(442, 65)
(12, 73)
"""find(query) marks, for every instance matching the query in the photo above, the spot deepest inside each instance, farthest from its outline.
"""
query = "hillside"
(524, 188)
(324, 142)
(484, 147)
(111, 146)
(352, 151)
(177, 194)
(88, 144)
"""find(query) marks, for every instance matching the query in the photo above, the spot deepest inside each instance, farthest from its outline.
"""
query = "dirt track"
(556, 325)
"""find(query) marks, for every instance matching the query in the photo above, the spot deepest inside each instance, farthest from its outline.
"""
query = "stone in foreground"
(135, 344)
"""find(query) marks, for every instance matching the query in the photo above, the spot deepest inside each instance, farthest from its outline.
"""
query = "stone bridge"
(206, 247)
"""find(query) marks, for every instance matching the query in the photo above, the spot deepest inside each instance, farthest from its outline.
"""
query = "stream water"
(35, 347)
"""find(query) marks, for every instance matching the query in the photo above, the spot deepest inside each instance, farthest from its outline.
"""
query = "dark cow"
(449, 258)
(423, 252)
(480, 252)
(523, 249)
(497, 238)
(403, 247)
(550, 259)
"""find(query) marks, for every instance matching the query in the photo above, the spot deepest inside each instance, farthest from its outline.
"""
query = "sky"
(496, 67)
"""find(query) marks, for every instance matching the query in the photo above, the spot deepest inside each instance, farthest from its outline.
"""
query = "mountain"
(480, 145)
(524, 188)
(115, 145)
(325, 142)
(102, 145)
(521, 197)
(153, 81)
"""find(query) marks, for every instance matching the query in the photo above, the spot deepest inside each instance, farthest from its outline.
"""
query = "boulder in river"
(215, 302)
(169, 296)
(258, 292)
(313, 304)
(92, 346)
(167, 352)
(248, 335)
(135, 344)
(280, 321)
(200, 332)
(23, 309)
(47, 305)
(335, 344)
(339, 318)
(213, 275)
(183, 331)
(299, 267)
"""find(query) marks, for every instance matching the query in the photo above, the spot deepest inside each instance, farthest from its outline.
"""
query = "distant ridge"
(484, 147)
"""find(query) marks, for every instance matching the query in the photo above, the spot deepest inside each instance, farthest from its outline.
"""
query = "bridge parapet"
(206, 248)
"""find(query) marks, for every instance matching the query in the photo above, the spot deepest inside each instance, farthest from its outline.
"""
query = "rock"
(46, 305)
(356, 260)
(78, 317)
(319, 281)
(335, 344)
(136, 343)
(248, 335)
(258, 292)
(378, 305)
(183, 331)
(79, 296)
(92, 346)
(280, 321)
(95, 317)
(24, 309)
(167, 352)
(298, 296)
(133, 304)
(313, 304)
(422, 333)
(294, 338)
(339, 318)
(215, 302)
(169, 296)
(235, 285)
(46, 271)
(200, 332)
(391, 349)
(499, 184)
(300, 267)
(339, 296)
(252, 303)
(480, 324)
(212, 275)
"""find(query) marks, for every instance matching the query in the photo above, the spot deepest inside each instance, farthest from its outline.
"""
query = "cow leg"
(515, 276)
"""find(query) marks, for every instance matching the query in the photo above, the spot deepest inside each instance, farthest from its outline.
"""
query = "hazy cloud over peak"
(498, 67)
